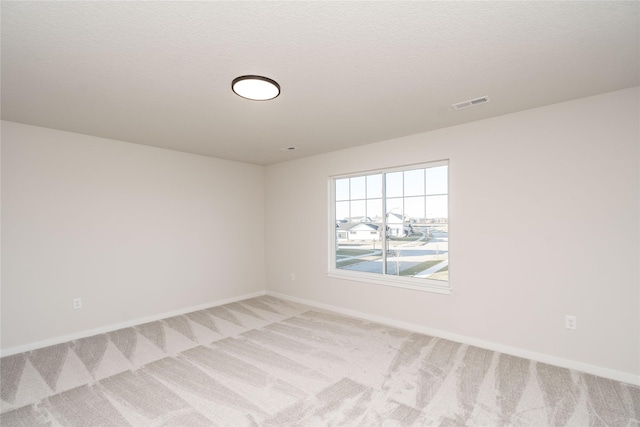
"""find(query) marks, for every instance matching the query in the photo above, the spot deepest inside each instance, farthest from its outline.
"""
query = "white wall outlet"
(293, 276)
(77, 303)
(570, 322)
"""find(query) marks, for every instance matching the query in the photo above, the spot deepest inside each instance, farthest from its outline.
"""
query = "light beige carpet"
(268, 362)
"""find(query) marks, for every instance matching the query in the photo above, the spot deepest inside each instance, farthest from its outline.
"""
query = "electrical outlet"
(77, 303)
(570, 322)
(293, 276)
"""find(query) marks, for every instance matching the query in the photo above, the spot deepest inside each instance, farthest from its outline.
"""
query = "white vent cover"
(471, 103)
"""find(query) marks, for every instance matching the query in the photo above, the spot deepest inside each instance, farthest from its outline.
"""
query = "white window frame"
(407, 282)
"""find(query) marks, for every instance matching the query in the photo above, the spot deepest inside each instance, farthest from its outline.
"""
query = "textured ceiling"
(352, 73)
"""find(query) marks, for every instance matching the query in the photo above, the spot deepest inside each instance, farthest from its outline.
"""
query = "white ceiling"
(352, 73)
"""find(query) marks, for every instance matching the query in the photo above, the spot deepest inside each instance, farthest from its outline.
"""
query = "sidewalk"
(429, 271)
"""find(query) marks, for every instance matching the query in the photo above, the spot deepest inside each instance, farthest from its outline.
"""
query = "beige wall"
(544, 221)
(135, 231)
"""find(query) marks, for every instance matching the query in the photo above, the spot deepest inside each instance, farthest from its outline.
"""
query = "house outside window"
(391, 227)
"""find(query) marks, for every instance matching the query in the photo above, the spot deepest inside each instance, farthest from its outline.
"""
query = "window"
(392, 227)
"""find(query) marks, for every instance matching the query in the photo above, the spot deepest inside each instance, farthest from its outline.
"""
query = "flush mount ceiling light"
(256, 88)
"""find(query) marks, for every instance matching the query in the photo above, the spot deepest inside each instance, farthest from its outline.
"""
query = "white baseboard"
(513, 351)
(122, 325)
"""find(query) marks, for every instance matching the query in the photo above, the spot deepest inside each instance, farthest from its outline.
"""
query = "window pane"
(358, 187)
(359, 247)
(342, 211)
(437, 207)
(365, 257)
(374, 210)
(394, 184)
(414, 208)
(374, 186)
(342, 189)
(414, 182)
(358, 210)
(395, 206)
(437, 251)
(360, 255)
(437, 180)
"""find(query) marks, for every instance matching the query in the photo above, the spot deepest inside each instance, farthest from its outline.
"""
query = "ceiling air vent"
(287, 149)
(471, 103)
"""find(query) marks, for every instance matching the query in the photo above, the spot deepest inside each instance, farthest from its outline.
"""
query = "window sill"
(425, 285)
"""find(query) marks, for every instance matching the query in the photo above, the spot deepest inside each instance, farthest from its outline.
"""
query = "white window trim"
(420, 284)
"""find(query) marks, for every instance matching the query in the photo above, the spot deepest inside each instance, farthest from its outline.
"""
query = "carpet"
(269, 362)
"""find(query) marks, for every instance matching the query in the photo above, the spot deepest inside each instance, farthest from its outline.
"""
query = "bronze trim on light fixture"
(259, 78)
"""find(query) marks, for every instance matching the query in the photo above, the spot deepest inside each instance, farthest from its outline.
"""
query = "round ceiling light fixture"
(256, 88)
